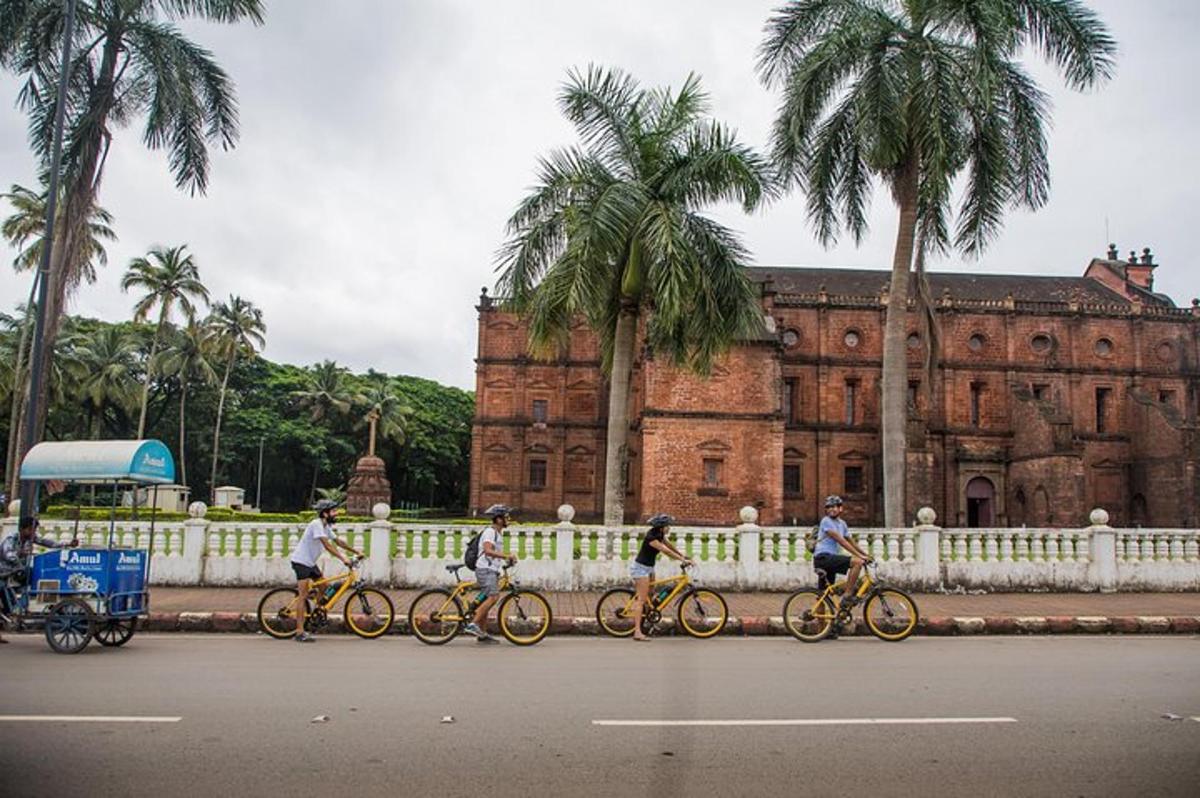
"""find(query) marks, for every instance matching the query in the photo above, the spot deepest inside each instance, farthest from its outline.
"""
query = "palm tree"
(169, 277)
(188, 358)
(238, 330)
(911, 93)
(25, 230)
(325, 393)
(107, 361)
(130, 60)
(384, 412)
(612, 231)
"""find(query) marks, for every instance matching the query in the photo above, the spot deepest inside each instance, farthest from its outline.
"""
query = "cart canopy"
(147, 462)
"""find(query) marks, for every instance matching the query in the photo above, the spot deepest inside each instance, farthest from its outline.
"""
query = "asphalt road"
(1059, 716)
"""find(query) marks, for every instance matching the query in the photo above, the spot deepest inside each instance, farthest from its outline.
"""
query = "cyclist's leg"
(642, 575)
(489, 583)
(304, 579)
(856, 565)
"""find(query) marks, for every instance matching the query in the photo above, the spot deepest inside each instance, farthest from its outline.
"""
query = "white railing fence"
(568, 556)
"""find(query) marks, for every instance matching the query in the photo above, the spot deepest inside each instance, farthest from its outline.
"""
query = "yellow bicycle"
(701, 612)
(368, 612)
(438, 615)
(890, 614)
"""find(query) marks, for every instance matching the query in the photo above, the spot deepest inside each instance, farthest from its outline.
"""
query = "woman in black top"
(642, 567)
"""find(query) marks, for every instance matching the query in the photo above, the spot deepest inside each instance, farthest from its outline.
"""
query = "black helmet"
(497, 510)
(833, 501)
(325, 505)
(660, 520)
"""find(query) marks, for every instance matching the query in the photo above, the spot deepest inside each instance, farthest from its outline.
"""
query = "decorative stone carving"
(1099, 517)
(926, 516)
(566, 513)
(748, 514)
(197, 509)
(368, 486)
(381, 511)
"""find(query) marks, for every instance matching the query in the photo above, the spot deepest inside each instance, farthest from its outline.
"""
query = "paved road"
(1087, 717)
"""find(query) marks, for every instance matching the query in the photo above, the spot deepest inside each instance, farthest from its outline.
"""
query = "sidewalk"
(232, 609)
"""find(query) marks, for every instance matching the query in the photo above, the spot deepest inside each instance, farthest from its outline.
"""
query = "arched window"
(981, 502)
(1137, 510)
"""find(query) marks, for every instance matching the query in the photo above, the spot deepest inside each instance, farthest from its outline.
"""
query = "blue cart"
(101, 592)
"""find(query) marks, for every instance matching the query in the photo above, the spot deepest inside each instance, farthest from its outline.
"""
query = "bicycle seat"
(453, 567)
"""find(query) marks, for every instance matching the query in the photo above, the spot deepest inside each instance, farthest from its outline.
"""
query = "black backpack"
(471, 554)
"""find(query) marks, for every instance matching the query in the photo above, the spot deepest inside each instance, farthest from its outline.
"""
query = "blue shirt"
(826, 544)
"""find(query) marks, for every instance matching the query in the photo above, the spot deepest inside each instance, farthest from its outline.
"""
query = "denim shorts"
(638, 571)
(489, 582)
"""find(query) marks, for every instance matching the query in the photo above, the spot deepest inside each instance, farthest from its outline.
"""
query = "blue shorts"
(639, 571)
(489, 582)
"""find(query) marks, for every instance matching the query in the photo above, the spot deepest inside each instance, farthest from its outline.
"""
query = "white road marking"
(804, 722)
(87, 719)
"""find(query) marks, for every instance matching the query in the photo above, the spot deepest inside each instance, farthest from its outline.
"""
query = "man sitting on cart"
(15, 550)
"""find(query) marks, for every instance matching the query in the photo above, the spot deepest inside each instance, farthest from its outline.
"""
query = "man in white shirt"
(492, 560)
(317, 539)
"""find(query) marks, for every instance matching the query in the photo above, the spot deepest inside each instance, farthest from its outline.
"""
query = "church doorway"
(981, 502)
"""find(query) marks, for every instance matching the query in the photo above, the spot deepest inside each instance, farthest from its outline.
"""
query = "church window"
(791, 400)
(541, 411)
(792, 486)
(852, 339)
(851, 402)
(852, 479)
(1104, 347)
(914, 341)
(712, 472)
(537, 474)
(976, 404)
(1103, 397)
(790, 338)
(976, 342)
(1041, 343)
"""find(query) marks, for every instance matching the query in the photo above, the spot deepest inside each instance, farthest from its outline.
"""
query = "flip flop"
(641, 640)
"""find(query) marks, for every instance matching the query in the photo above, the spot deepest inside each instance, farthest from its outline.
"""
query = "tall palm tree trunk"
(20, 388)
(617, 449)
(82, 179)
(183, 433)
(212, 482)
(162, 318)
(895, 360)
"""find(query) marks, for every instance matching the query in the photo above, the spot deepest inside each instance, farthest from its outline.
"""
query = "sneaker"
(473, 629)
(488, 639)
(305, 637)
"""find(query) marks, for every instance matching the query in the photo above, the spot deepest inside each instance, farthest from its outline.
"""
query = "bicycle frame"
(461, 591)
(348, 580)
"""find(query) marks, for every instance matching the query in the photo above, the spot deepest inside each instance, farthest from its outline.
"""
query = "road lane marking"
(87, 719)
(804, 722)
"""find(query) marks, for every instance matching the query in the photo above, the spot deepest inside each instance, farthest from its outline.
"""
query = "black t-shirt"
(647, 554)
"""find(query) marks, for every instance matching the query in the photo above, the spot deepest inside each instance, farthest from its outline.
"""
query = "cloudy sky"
(385, 143)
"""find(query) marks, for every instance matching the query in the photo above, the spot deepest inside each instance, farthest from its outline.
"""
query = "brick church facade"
(1051, 395)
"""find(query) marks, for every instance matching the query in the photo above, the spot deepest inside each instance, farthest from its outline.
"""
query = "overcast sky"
(385, 143)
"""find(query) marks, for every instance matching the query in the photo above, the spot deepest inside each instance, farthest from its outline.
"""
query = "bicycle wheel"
(436, 616)
(114, 632)
(702, 612)
(70, 626)
(524, 617)
(276, 613)
(808, 615)
(890, 614)
(612, 612)
(369, 612)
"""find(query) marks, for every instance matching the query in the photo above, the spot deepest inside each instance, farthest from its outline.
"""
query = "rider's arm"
(669, 550)
(348, 547)
(847, 544)
(332, 549)
(494, 551)
(48, 543)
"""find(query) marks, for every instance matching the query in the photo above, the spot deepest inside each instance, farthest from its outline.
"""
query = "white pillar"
(1102, 565)
(379, 556)
(564, 555)
(195, 540)
(749, 537)
(929, 568)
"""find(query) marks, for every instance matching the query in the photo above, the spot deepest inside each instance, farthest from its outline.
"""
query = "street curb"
(751, 625)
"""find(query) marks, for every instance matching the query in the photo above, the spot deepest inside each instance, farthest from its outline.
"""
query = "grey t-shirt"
(826, 544)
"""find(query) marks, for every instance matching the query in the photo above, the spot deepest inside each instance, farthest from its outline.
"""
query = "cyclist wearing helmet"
(642, 567)
(318, 538)
(832, 536)
(487, 569)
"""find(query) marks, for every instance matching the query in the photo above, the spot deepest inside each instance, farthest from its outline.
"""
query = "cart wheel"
(115, 631)
(69, 626)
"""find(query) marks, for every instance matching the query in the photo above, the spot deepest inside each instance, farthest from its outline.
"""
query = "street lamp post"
(258, 491)
(29, 490)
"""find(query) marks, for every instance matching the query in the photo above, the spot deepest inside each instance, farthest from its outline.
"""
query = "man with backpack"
(490, 560)
(832, 536)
